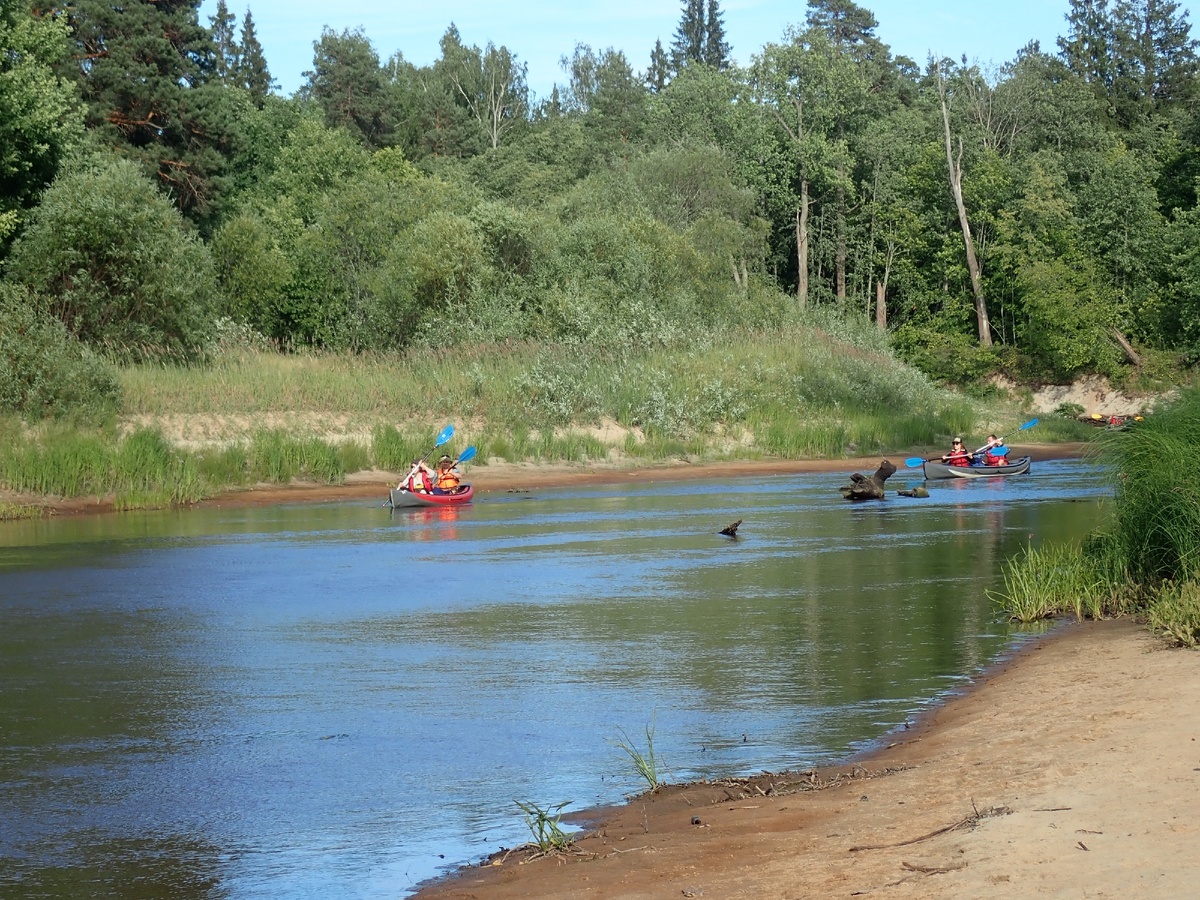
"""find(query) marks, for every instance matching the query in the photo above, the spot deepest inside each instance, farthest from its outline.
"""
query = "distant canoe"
(935, 470)
(402, 499)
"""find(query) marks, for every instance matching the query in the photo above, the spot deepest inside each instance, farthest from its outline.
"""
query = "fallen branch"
(934, 870)
(969, 822)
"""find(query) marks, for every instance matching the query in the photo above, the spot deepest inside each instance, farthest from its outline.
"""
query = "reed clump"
(545, 825)
(1145, 560)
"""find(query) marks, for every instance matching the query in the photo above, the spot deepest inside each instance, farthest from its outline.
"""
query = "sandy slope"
(1073, 771)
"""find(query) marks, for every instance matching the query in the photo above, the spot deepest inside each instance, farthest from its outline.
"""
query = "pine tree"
(700, 37)
(716, 49)
(1088, 47)
(847, 24)
(688, 44)
(658, 75)
(225, 62)
(252, 72)
(1158, 54)
(144, 72)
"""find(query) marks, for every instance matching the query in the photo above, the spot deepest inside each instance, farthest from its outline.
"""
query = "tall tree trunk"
(880, 306)
(956, 173)
(802, 246)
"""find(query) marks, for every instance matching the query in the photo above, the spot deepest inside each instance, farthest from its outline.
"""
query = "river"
(333, 699)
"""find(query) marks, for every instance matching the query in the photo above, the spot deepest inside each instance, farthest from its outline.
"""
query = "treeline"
(1040, 219)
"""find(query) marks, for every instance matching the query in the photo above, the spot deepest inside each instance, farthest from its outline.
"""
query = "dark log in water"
(863, 488)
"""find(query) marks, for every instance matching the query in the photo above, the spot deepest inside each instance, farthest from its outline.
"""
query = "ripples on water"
(335, 700)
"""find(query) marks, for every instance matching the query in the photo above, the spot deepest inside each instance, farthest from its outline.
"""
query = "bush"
(44, 371)
(947, 356)
(109, 256)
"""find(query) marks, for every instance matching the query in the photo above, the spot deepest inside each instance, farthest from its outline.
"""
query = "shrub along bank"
(1145, 561)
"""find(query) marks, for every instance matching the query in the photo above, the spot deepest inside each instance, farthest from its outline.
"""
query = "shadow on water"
(334, 699)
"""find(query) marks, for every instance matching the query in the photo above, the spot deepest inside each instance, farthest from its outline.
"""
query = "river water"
(337, 700)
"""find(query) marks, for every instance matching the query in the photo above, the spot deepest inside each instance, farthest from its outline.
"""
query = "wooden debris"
(863, 488)
(731, 530)
(969, 822)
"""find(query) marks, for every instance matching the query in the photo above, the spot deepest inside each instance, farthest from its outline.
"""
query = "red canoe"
(404, 499)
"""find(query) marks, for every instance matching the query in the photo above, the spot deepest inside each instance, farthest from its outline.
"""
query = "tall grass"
(142, 469)
(805, 389)
(1157, 475)
(1146, 559)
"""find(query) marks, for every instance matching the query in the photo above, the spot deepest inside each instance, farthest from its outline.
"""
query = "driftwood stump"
(863, 488)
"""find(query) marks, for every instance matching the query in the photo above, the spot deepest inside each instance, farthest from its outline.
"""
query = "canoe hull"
(402, 499)
(935, 470)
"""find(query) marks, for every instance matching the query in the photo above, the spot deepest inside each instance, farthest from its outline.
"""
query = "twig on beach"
(969, 822)
(933, 870)
(918, 872)
(1053, 809)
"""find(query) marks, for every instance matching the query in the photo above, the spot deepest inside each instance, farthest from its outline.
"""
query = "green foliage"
(40, 115)
(947, 356)
(1068, 324)
(1175, 613)
(544, 826)
(44, 371)
(110, 258)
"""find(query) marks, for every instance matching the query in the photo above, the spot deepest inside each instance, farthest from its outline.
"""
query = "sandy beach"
(1071, 770)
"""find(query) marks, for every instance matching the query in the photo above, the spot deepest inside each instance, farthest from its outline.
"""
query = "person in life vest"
(420, 478)
(957, 455)
(994, 451)
(447, 476)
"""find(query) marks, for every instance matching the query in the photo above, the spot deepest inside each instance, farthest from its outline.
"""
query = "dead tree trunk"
(1127, 348)
(956, 175)
(863, 488)
(802, 246)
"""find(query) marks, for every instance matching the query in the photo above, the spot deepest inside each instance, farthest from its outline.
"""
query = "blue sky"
(541, 32)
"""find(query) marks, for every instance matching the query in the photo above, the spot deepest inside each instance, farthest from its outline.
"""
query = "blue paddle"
(467, 454)
(914, 461)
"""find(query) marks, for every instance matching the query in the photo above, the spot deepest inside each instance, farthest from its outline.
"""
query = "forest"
(158, 196)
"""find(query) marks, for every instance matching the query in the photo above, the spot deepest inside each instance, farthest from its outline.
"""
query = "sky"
(540, 33)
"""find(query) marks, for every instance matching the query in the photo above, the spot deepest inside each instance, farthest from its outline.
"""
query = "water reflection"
(335, 699)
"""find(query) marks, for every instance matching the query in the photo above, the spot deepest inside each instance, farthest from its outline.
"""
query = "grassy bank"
(1145, 560)
(818, 389)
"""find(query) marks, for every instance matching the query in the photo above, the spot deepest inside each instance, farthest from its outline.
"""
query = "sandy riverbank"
(1072, 770)
(500, 477)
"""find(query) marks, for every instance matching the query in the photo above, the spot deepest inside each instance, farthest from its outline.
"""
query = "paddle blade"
(914, 461)
(469, 453)
(446, 434)
(1028, 424)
